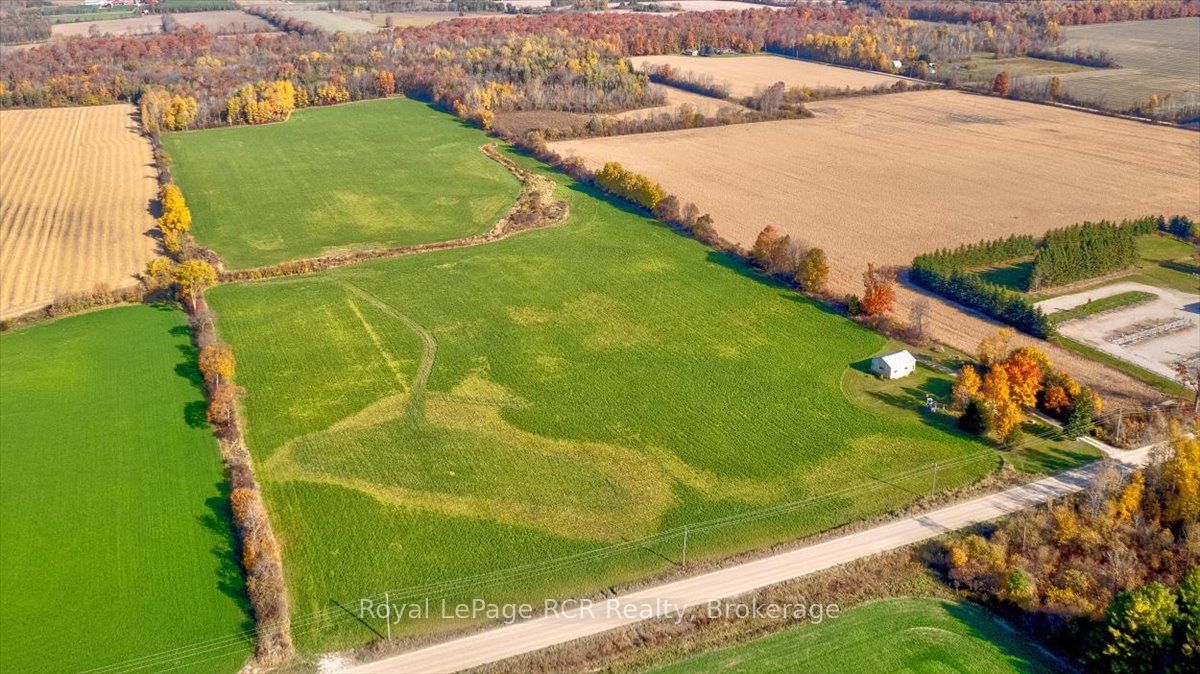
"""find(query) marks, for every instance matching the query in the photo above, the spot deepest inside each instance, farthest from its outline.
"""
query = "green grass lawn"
(1093, 307)
(115, 540)
(894, 635)
(431, 417)
(376, 173)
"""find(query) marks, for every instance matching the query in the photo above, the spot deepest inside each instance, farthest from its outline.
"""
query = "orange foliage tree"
(880, 294)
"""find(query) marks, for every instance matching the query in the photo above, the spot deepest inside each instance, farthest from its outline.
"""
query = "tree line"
(950, 273)
(1086, 250)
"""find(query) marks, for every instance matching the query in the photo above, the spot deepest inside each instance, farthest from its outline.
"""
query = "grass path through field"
(428, 352)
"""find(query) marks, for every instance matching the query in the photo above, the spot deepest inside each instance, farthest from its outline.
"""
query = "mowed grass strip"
(593, 383)
(115, 537)
(895, 635)
(376, 173)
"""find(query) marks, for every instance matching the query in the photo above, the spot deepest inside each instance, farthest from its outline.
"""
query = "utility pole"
(685, 537)
(387, 602)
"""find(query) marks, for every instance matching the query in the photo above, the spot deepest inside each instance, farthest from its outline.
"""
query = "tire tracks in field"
(416, 407)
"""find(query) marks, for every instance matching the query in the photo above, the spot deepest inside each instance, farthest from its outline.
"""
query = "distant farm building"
(894, 365)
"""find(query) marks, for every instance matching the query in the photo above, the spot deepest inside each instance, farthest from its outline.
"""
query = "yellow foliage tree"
(192, 277)
(176, 218)
(966, 386)
(1182, 474)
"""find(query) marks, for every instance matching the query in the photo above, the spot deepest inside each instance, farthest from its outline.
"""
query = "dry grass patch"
(882, 178)
(77, 185)
(746, 74)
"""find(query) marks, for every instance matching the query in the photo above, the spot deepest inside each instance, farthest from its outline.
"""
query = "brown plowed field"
(76, 186)
(883, 178)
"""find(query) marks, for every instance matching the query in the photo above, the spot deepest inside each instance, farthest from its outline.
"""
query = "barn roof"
(898, 359)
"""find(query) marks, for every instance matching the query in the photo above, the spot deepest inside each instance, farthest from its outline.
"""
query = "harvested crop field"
(677, 98)
(223, 22)
(330, 21)
(1155, 57)
(882, 178)
(746, 74)
(77, 185)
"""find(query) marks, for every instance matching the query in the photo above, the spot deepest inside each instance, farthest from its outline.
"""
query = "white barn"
(894, 365)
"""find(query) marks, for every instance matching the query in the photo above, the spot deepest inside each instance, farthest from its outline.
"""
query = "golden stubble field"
(77, 185)
(1155, 57)
(747, 74)
(883, 178)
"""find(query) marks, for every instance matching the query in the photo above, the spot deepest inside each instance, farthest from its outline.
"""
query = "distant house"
(894, 365)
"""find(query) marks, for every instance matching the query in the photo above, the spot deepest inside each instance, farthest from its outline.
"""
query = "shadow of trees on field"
(229, 580)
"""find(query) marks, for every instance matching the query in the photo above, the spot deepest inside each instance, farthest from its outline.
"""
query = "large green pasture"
(376, 173)
(115, 542)
(895, 635)
(431, 417)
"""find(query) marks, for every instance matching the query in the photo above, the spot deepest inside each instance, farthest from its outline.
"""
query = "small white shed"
(894, 365)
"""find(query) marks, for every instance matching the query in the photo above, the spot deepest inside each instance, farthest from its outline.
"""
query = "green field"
(895, 635)
(115, 543)
(376, 173)
(431, 417)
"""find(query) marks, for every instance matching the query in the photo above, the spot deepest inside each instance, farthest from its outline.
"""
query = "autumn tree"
(1003, 412)
(217, 362)
(917, 316)
(222, 407)
(995, 347)
(771, 250)
(813, 272)
(880, 290)
(192, 277)
(965, 388)
(1181, 473)
(158, 271)
(1002, 83)
(1055, 88)
(1024, 378)
(176, 218)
